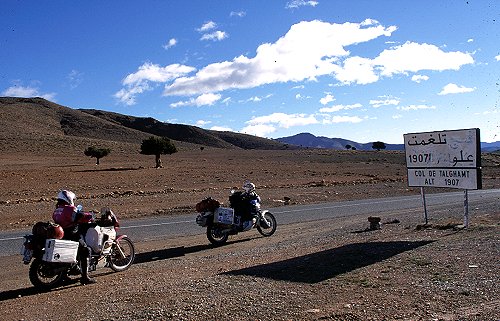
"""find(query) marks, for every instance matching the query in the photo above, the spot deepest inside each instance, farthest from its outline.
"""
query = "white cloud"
(237, 14)
(341, 119)
(27, 92)
(339, 108)
(398, 116)
(215, 36)
(261, 130)
(221, 129)
(414, 57)
(357, 70)
(284, 120)
(455, 89)
(139, 82)
(172, 42)
(209, 25)
(263, 125)
(75, 78)
(497, 58)
(327, 99)
(415, 107)
(301, 97)
(202, 100)
(127, 96)
(300, 3)
(386, 101)
(419, 78)
(308, 50)
(470, 40)
(409, 57)
(256, 99)
(202, 122)
(155, 73)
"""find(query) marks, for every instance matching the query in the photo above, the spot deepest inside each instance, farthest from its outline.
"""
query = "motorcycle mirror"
(79, 207)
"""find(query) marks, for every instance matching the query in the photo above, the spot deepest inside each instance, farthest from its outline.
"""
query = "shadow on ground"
(324, 265)
(170, 253)
(17, 293)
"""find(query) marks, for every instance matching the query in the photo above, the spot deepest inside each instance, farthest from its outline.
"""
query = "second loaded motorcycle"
(224, 221)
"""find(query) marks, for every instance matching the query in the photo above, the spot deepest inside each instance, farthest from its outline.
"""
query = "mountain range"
(309, 140)
(38, 125)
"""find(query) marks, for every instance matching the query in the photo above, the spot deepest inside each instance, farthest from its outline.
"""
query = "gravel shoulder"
(321, 270)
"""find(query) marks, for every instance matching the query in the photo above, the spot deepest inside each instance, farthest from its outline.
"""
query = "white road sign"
(444, 159)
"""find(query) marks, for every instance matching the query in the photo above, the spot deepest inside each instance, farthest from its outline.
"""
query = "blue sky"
(359, 70)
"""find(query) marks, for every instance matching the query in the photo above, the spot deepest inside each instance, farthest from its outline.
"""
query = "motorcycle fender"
(118, 238)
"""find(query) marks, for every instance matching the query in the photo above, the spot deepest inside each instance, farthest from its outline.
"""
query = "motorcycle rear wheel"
(122, 255)
(216, 236)
(271, 229)
(42, 276)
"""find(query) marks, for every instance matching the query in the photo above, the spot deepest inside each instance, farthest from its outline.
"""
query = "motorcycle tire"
(271, 229)
(122, 255)
(42, 276)
(216, 236)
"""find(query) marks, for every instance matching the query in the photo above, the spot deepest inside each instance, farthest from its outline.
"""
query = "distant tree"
(348, 146)
(202, 148)
(378, 145)
(353, 148)
(157, 146)
(96, 152)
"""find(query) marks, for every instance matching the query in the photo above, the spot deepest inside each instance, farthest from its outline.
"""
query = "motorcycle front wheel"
(43, 276)
(122, 255)
(272, 225)
(216, 236)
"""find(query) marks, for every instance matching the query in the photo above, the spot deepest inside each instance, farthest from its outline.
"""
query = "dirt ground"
(321, 270)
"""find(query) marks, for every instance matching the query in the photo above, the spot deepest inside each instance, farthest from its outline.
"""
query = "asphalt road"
(185, 225)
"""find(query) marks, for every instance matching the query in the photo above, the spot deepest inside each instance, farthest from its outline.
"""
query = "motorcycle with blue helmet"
(243, 214)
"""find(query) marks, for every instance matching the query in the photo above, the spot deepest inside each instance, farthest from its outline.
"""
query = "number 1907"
(420, 158)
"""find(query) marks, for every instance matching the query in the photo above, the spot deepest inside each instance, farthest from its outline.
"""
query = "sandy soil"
(320, 270)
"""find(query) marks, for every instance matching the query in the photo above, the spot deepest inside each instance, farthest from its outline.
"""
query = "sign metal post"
(422, 192)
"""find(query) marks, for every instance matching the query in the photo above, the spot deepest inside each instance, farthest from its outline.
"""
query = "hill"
(187, 133)
(38, 126)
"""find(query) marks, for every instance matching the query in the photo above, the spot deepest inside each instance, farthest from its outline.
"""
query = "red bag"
(207, 205)
(47, 230)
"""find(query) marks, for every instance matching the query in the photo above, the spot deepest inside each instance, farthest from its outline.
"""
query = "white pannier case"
(224, 215)
(61, 251)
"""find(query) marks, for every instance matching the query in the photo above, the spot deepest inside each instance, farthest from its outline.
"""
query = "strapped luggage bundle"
(209, 204)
